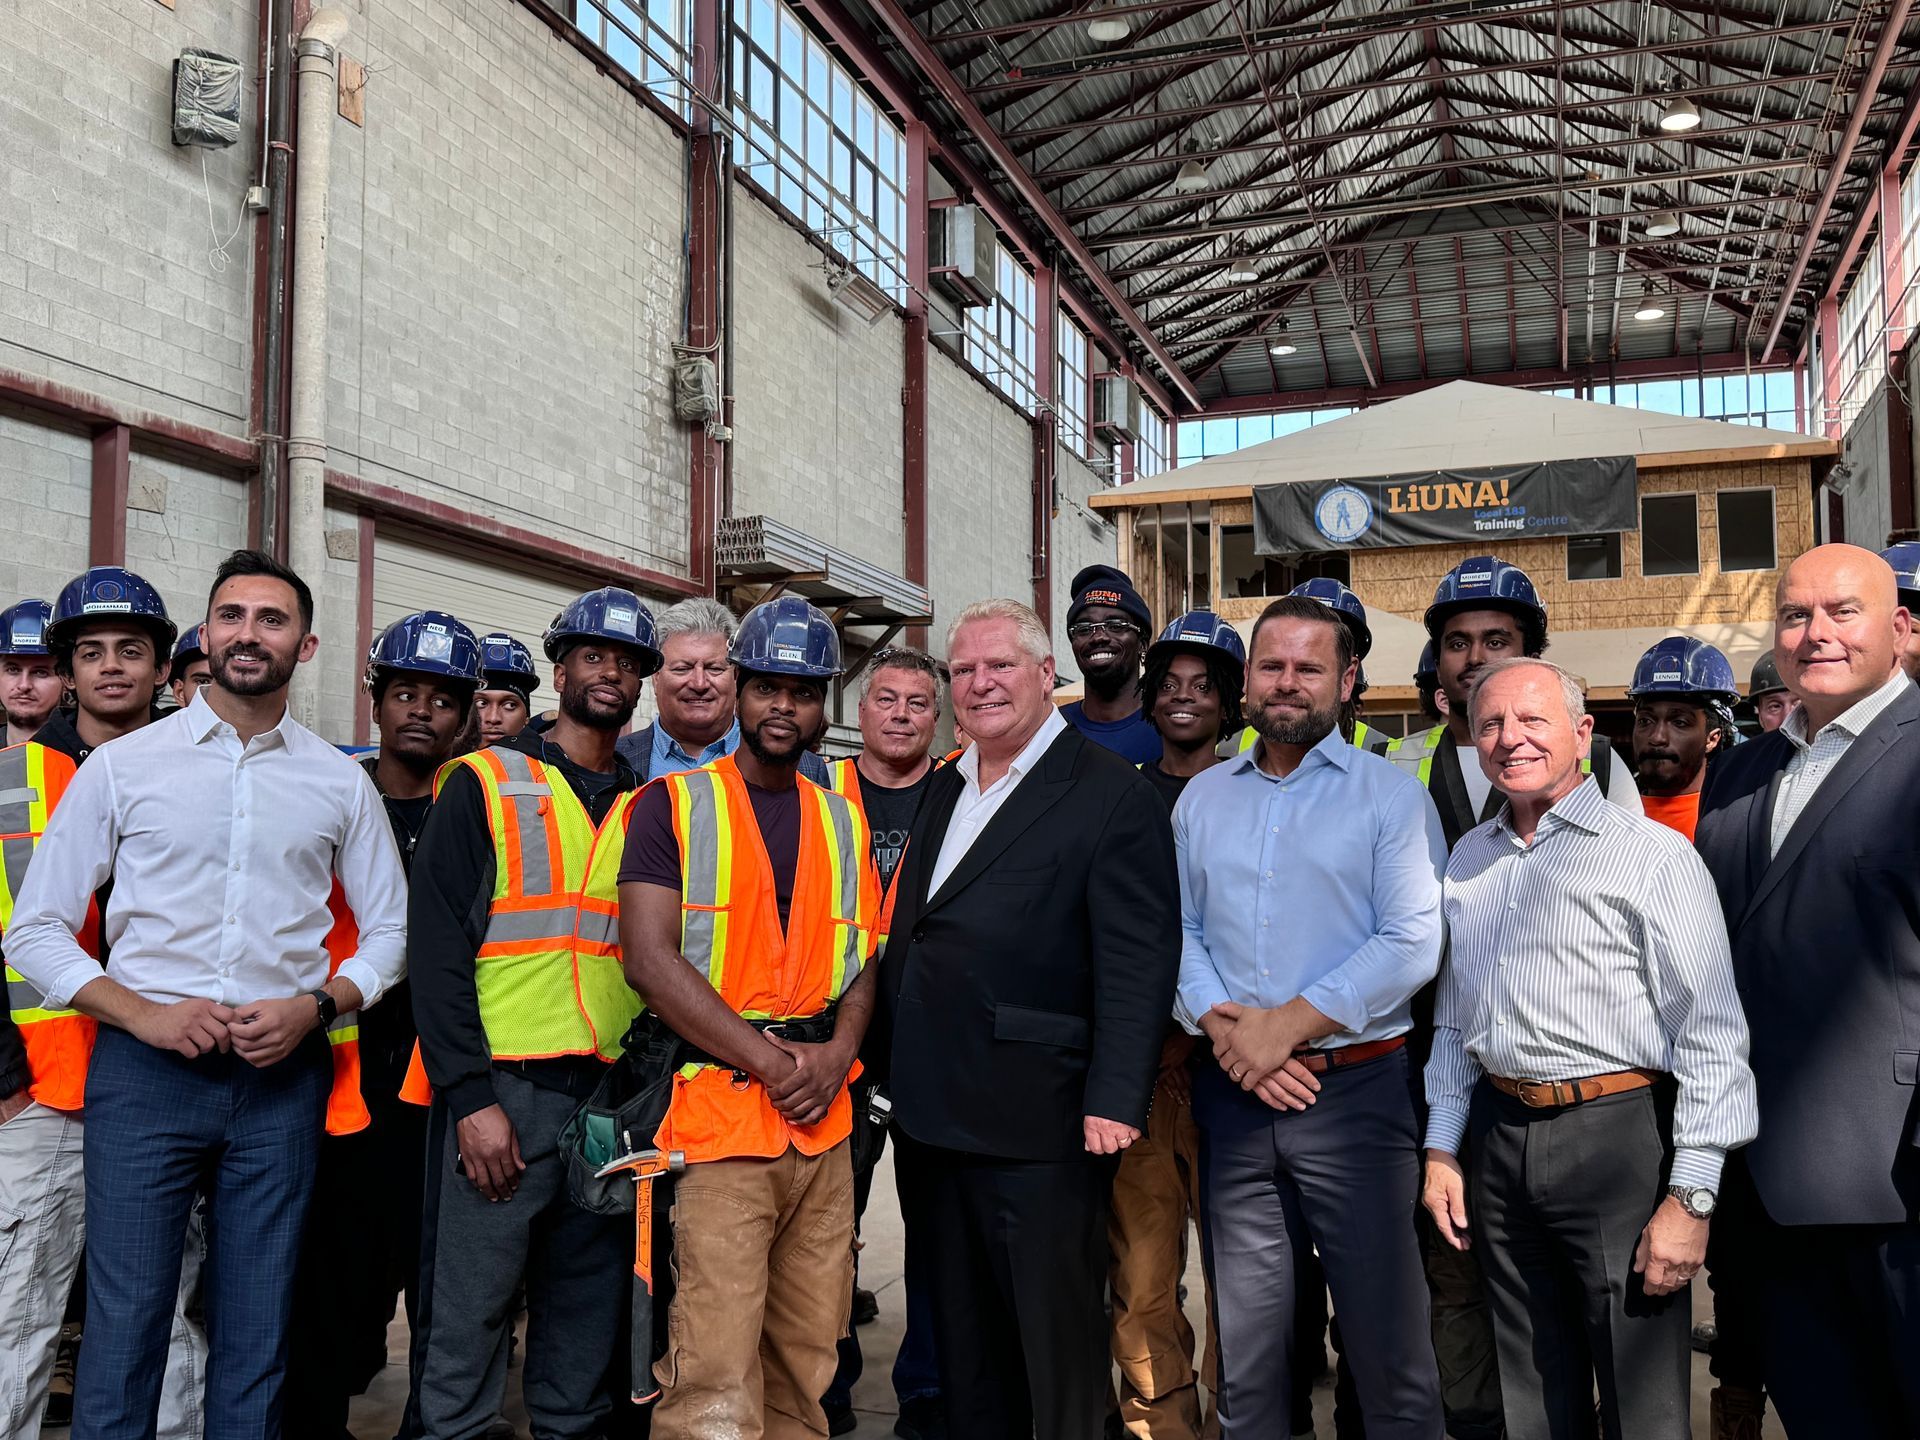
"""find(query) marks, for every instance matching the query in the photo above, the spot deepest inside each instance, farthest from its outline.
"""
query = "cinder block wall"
(979, 489)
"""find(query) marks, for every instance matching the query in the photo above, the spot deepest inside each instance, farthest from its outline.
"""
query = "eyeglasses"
(1113, 629)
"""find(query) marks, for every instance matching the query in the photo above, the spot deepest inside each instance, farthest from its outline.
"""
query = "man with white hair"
(1589, 1038)
(1028, 978)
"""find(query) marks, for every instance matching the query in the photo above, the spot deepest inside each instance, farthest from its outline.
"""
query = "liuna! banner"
(1444, 507)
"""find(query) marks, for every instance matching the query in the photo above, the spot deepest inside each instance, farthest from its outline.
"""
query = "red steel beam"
(1046, 381)
(84, 410)
(707, 457)
(1028, 189)
(1899, 145)
(1888, 42)
(363, 627)
(107, 518)
(913, 394)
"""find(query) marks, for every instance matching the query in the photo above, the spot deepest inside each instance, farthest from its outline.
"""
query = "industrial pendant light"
(1279, 343)
(1241, 271)
(1192, 178)
(1663, 223)
(1652, 304)
(1108, 28)
(1678, 114)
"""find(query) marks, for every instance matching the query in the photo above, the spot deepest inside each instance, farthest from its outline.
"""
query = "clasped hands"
(263, 1032)
(1256, 1048)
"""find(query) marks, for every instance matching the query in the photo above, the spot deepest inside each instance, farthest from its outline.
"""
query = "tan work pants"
(763, 1252)
(1155, 1193)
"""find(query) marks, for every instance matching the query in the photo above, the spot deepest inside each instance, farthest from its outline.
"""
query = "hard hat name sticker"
(1477, 577)
(26, 631)
(788, 652)
(107, 607)
(622, 618)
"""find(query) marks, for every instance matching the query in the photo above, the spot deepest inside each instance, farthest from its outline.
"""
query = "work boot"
(1736, 1412)
(921, 1419)
(866, 1307)
(59, 1411)
(1704, 1336)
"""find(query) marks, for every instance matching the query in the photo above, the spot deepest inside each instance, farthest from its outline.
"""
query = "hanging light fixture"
(1108, 28)
(1678, 114)
(1653, 304)
(1192, 178)
(1241, 271)
(1279, 343)
(1663, 223)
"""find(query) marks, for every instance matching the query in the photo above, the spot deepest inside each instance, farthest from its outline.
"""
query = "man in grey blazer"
(1808, 833)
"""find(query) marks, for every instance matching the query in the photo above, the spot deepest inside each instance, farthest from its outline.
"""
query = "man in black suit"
(1025, 991)
(1808, 834)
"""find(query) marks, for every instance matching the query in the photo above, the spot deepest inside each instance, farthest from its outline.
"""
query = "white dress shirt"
(1814, 758)
(222, 858)
(976, 807)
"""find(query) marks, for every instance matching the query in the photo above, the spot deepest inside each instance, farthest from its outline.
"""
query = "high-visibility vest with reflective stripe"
(845, 778)
(1362, 737)
(1414, 753)
(730, 932)
(548, 968)
(59, 1043)
(346, 1105)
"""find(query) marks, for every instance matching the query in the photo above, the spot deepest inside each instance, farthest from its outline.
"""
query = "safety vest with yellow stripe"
(1362, 737)
(730, 932)
(844, 776)
(548, 968)
(1414, 753)
(59, 1043)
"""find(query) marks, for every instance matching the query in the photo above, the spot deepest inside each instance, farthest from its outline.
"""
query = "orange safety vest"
(730, 932)
(845, 777)
(346, 1106)
(59, 1043)
(548, 969)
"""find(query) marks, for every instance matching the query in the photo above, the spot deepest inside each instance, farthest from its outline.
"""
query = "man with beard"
(210, 1067)
(1768, 695)
(771, 1003)
(1683, 695)
(1107, 626)
(899, 711)
(421, 674)
(504, 703)
(521, 1006)
(30, 688)
(1309, 898)
(1905, 560)
(190, 669)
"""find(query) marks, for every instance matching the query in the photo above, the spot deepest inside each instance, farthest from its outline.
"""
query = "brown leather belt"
(1555, 1094)
(1321, 1061)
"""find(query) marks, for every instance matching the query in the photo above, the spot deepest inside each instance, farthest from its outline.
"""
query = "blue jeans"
(159, 1127)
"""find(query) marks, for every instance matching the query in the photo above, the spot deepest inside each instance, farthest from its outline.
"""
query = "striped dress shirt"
(1813, 759)
(1599, 947)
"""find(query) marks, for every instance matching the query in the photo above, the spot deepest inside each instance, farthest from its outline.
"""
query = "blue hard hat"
(787, 636)
(1682, 665)
(427, 642)
(192, 646)
(109, 592)
(1766, 677)
(506, 664)
(1427, 672)
(1344, 603)
(23, 628)
(1485, 583)
(1905, 560)
(1201, 629)
(609, 613)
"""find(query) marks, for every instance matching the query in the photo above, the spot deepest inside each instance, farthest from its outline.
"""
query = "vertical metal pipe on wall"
(277, 148)
(317, 71)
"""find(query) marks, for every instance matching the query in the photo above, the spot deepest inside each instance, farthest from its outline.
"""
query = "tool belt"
(1559, 1094)
(1321, 1061)
(804, 1030)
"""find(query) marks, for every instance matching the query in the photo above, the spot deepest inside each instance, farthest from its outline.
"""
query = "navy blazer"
(1826, 952)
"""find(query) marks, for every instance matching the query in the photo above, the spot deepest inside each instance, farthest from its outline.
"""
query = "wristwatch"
(330, 1007)
(1696, 1200)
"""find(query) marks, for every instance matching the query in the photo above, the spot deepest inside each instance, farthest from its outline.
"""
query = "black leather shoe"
(923, 1419)
(866, 1308)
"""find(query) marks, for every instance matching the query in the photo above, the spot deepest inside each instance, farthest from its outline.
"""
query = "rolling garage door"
(486, 595)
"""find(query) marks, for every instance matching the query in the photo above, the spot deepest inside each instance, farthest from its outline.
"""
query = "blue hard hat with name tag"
(1201, 629)
(506, 664)
(1682, 665)
(610, 614)
(192, 647)
(109, 592)
(427, 642)
(787, 636)
(1905, 560)
(23, 628)
(1344, 603)
(1485, 583)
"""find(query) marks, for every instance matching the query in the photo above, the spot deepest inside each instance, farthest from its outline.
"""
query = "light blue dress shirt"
(1323, 885)
(670, 759)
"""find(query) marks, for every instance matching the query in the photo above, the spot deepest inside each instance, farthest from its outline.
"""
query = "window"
(1074, 388)
(1202, 439)
(808, 135)
(999, 337)
(1764, 398)
(1247, 576)
(646, 38)
(1669, 535)
(1150, 453)
(1746, 529)
(1594, 557)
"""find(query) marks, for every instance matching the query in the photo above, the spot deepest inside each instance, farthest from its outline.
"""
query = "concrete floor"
(376, 1415)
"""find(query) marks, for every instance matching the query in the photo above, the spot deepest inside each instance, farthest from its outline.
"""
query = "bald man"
(1808, 834)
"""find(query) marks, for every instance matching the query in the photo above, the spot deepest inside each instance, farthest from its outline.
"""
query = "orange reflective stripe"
(415, 1089)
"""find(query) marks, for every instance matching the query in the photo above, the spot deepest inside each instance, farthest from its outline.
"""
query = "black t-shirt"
(1167, 787)
(653, 851)
(890, 815)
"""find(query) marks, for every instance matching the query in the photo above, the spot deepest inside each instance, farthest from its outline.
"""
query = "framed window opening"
(1154, 445)
(1747, 523)
(1670, 534)
(999, 338)
(1594, 557)
(646, 38)
(1075, 389)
